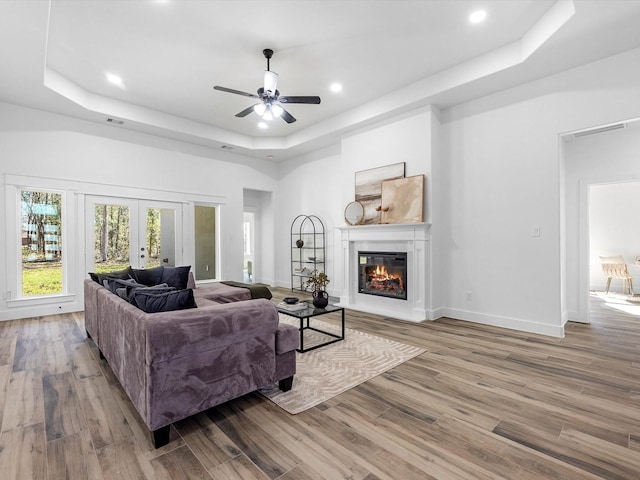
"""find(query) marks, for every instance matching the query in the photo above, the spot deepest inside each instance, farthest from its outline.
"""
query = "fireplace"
(412, 238)
(383, 274)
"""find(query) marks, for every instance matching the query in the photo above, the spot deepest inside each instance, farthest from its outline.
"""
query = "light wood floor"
(481, 403)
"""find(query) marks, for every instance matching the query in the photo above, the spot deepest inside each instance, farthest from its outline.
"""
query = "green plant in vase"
(317, 283)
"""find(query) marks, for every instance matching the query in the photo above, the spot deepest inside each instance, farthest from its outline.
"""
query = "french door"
(126, 231)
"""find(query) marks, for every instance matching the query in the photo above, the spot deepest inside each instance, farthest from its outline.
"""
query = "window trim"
(64, 216)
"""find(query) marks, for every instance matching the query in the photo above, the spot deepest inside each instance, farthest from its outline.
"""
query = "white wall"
(50, 146)
(503, 176)
(310, 185)
(324, 183)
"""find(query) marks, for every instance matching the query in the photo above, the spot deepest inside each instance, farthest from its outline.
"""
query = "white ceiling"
(390, 56)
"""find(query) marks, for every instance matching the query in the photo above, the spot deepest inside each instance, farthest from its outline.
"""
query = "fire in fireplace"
(383, 274)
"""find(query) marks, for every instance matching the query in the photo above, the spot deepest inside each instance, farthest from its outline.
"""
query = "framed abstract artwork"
(369, 189)
(403, 200)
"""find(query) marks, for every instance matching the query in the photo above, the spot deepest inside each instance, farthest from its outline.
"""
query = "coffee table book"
(292, 308)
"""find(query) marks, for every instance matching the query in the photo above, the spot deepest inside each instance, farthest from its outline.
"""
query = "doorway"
(613, 231)
(124, 232)
(249, 261)
(591, 161)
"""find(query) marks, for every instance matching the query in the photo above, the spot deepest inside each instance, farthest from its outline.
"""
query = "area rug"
(328, 371)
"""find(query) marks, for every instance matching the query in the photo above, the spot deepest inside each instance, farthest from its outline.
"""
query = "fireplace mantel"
(413, 238)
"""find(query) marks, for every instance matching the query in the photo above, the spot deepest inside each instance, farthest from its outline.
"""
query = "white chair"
(615, 267)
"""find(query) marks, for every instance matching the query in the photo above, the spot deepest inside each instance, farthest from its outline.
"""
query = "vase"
(320, 299)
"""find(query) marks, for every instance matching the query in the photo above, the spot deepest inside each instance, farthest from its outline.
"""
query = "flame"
(380, 274)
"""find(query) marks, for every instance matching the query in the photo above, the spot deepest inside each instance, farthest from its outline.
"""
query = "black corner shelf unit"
(307, 249)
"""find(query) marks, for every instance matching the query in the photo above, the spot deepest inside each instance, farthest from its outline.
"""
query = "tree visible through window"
(41, 222)
(111, 249)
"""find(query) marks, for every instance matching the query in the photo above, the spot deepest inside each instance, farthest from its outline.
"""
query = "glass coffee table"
(309, 312)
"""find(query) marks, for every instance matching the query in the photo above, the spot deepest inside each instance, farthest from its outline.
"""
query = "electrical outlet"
(469, 296)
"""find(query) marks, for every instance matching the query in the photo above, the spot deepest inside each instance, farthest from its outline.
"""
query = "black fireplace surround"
(383, 274)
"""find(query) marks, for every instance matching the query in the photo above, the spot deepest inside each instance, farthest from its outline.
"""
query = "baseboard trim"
(505, 322)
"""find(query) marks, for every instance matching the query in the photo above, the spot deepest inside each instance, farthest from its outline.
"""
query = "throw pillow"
(164, 302)
(176, 276)
(148, 276)
(100, 277)
(113, 284)
(122, 293)
(156, 289)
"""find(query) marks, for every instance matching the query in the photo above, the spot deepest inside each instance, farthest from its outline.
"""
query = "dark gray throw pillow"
(148, 276)
(176, 276)
(164, 302)
(160, 288)
(100, 277)
(113, 284)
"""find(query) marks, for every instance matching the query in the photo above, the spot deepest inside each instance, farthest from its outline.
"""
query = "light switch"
(535, 231)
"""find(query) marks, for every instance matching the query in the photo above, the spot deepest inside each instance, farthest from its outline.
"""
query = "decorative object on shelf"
(290, 300)
(307, 249)
(403, 200)
(381, 209)
(318, 282)
(354, 213)
(369, 188)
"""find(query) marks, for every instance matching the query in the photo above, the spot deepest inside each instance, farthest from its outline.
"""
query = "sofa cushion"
(148, 276)
(100, 277)
(177, 277)
(113, 284)
(156, 290)
(152, 302)
(221, 293)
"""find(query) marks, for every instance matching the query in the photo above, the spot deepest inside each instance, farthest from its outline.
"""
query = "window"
(41, 243)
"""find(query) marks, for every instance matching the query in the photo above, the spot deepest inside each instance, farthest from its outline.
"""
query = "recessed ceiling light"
(263, 125)
(477, 16)
(115, 79)
(336, 87)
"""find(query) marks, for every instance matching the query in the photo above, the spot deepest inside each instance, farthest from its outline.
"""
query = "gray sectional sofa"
(174, 364)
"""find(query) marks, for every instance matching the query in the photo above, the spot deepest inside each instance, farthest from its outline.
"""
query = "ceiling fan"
(270, 105)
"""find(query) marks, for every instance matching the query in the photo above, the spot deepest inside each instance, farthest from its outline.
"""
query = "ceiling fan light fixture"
(260, 108)
(276, 110)
(269, 99)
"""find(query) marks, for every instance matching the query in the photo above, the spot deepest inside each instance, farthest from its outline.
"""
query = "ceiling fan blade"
(237, 92)
(270, 82)
(287, 117)
(246, 111)
(313, 100)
